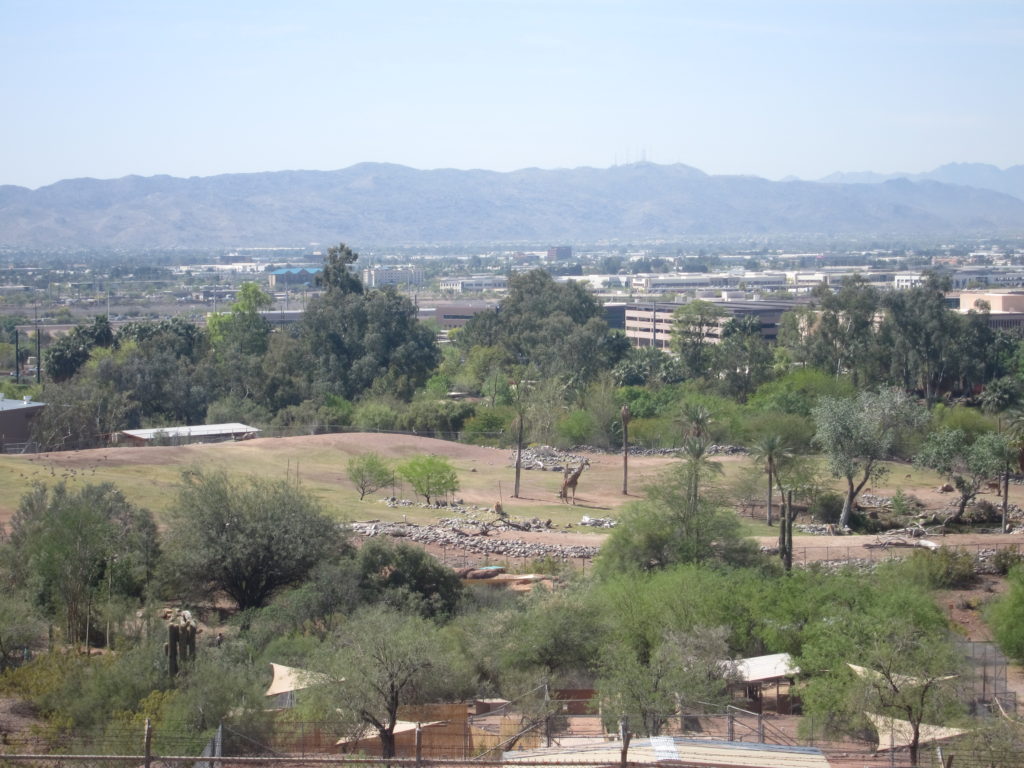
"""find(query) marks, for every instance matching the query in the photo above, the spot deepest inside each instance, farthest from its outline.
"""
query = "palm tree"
(770, 448)
(699, 466)
(696, 420)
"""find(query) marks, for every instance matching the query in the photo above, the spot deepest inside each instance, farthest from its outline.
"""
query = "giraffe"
(570, 477)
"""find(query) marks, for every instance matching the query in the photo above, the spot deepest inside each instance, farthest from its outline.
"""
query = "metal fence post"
(419, 745)
(147, 745)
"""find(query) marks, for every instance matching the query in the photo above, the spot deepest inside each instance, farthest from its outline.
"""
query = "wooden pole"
(626, 416)
(147, 745)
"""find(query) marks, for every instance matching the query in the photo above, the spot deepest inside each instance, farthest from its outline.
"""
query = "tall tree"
(695, 326)
(377, 662)
(842, 339)
(967, 465)
(769, 449)
(247, 538)
(338, 275)
(858, 434)
(921, 334)
(68, 543)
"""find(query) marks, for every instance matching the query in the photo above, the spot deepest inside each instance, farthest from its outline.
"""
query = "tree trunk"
(960, 507)
(771, 479)
(844, 517)
(387, 744)
(1006, 498)
(789, 532)
(625, 450)
(519, 455)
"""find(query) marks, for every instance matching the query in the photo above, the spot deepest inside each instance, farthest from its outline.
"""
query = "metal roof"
(759, 668)
(200, 430)
(10, 404)
(691, 752)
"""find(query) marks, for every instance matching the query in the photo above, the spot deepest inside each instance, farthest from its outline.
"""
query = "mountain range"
(979, 175)
(384, 204)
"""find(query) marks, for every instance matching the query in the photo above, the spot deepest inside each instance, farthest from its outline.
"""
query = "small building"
(16, 420)
(758, 674)
(202, 433)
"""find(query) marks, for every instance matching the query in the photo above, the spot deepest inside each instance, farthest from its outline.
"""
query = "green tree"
(242, 328)
(67, 355)
(72, 545)
(669, 528)
(338, 275)
(907, 671)
(21, 627)
(368, 472)
(430, 476)
(843, 337)
(967, 465)
(407, 578)
(357, 342)
(921, 335)
(684, 671)
(858, 434)
(247, 538)
(743, 357)
(768, 449)
(1006, 615)
(695, 326)
(377, 662)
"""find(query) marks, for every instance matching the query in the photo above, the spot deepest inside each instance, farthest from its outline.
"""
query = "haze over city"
(109, 89)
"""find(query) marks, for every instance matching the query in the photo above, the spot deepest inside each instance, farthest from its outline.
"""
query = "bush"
(1006, 616)
(653, 433)
(430, 476)
(944, 568)
(490, 426)
(375, 415)
(972, 421)
(1005, 560)
(577, 428)
(827, 508)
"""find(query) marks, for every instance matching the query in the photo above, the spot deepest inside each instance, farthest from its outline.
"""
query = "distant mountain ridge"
(978, 175)
(384, 204)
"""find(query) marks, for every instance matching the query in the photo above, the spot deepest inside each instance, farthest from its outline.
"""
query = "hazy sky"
(106, 89)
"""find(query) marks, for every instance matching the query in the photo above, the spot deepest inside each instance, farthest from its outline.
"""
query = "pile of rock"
(547, 459)
(448, 534)
(598, 522)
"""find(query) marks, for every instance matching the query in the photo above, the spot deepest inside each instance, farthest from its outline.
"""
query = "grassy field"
(149, 476)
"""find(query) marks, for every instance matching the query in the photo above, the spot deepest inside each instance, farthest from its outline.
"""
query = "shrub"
(577, 428)
(374, 415)
(1006, 616)
(827, 508)
(1006, 559)
(944, 568)
(490, 426)
(430, 476)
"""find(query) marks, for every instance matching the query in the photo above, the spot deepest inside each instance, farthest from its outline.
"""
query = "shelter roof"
(900, 680)
(401, 726)
(288, 679)
(894, 734)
